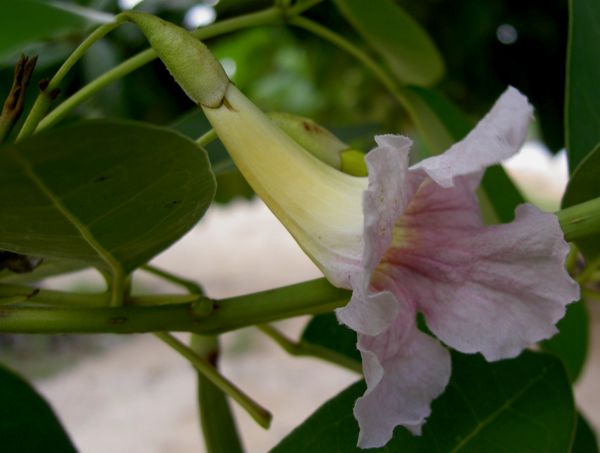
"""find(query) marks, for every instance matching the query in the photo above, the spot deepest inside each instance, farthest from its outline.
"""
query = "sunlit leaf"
(582, 105)
(398, 38)
(519, 405)
(102, 193)
(28, 422)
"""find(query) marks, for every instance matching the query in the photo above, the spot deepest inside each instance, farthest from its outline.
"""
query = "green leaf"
(582, 104)
(325, 330)
(28, 423)
(398, 38)
(26, 21)
(109, 194)
(571, 343)
(518, 405)
(585, 438)
(583, 186)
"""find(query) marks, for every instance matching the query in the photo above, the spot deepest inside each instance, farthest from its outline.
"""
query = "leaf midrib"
(487, 420)
(83, 231)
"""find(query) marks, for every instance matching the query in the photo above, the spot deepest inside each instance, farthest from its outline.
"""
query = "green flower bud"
(188, 60)
(315, 139)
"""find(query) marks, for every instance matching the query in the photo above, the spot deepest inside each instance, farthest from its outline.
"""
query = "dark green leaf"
(28, 423)
(519, 405)
(103, 193)
(325, 330)
(583, 186)
(26, 21)
(398, 38)
(571, 344)
(585, 438)
(582, 108)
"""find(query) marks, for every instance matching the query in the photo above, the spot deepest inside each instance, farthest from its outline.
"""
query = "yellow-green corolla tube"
(188, 60)
(318, 204)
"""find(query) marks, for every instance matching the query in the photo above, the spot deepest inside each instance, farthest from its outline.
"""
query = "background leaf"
(325, 330)
(518, 405)
(585, 438)
(582, 128)
(26, 21)
(571, 343)
(582, 116)
(101, 191)
(398, 38)
(28, 423)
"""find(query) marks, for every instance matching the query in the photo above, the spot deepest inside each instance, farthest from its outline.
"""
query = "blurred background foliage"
(486, 46)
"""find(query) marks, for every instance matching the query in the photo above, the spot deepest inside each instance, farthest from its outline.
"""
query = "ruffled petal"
(516, 287)
(384, 200)
(496, 137)
(493, 290)
(405, 370)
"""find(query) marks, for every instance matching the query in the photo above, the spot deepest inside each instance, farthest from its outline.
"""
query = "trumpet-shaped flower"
(408, 240)
(405, 240)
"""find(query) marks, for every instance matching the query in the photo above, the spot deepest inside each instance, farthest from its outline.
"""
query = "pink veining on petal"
(493, 290)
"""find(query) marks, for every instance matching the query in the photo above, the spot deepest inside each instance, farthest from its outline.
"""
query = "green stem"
(266, 17)
(207, 137)
(580, 221)
(188, 285)
(258, 413)
(313, 297)
(42, 103)
(304, 348)
(216, 420)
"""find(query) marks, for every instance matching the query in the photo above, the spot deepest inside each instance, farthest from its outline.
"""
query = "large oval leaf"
(398, 38)
(519, 405)
(582, 104)
(28, 422)
(101, 192)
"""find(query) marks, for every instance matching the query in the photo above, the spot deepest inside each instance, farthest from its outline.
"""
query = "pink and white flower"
(409, 240)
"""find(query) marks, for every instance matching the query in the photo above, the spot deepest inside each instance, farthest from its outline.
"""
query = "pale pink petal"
(515, 292)
(493, 290)
(383, 202)
(496, 137)
(405, 370)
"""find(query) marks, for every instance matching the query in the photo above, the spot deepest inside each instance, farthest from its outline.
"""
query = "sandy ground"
(140, 396)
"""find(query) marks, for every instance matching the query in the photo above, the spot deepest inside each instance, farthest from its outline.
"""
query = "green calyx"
(188, 60)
